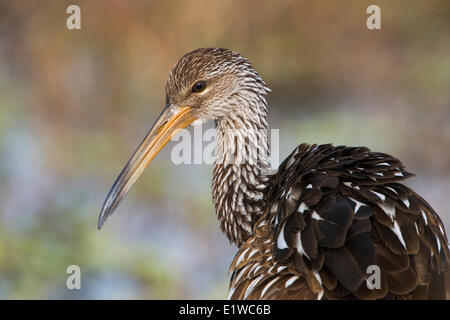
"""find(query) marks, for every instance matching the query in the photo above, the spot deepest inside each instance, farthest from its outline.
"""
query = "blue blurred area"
(74, 105)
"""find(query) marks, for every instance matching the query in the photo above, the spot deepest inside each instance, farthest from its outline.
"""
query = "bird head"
(208, 80)
(205, 84)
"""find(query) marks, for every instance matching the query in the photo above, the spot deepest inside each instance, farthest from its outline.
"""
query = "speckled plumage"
(313, 228)
(236, 100)
(330, 213)
(310, 230)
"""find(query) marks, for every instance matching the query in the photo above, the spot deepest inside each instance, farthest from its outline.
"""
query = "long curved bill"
(172, 119)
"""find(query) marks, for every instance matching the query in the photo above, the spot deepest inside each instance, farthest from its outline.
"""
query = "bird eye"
(199, 86)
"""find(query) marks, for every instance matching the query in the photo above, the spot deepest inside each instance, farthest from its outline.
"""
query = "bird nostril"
(159, 129)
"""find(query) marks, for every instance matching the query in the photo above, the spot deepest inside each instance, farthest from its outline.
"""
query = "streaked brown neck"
(242, 157)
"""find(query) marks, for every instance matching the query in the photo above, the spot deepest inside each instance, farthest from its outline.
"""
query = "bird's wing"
(339, 213)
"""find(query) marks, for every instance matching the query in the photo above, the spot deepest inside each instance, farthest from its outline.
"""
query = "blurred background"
(75, 103)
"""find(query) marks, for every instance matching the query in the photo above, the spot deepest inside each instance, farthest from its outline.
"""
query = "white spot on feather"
(290, 281)
(389, 210)
(358, 204)
(239, 274)
(406, 202)
(398, 233)
(379, 195)
(262, 223)
(300, 246)
(281, 268)
(252, 286)
(319, 279)
(302, 207)
(290, 162)
(281, 243)
(246, 227)
(241, 256)
(268, 286)
(316, 216)
(252, 253)
(424, 216)
(230, 293)
(378, 174)
(392, 189)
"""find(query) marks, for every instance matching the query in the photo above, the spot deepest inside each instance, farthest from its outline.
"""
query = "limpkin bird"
(314, 228)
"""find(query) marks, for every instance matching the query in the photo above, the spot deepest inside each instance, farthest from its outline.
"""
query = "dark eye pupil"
(199, 86)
